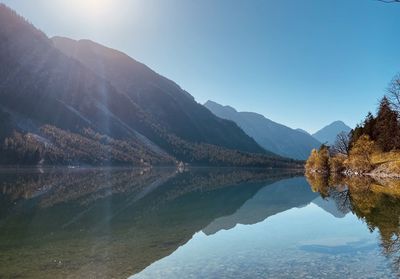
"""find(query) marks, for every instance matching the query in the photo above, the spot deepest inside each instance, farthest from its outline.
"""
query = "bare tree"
(393, 92)
(342, 144)
(342, 199)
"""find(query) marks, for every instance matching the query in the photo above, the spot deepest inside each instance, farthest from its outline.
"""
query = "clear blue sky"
(303, 63)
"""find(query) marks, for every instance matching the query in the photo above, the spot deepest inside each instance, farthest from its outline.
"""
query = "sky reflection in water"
(206, 223)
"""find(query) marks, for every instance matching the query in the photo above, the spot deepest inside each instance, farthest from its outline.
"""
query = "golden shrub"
(336, 163)
(360, 158)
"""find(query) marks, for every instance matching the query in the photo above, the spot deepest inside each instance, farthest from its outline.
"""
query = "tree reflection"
(376, 202)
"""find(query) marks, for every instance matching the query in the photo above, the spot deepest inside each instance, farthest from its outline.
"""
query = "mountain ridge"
(328, 133)
(61, 111)
(160, 97)
(271, 135)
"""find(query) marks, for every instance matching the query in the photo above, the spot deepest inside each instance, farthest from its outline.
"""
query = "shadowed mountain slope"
(172, 107)
(65, 112)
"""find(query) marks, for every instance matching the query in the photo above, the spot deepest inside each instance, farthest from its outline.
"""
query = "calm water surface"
(202, 223)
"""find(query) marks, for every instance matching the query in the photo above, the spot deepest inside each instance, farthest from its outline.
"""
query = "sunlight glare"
(92, 10)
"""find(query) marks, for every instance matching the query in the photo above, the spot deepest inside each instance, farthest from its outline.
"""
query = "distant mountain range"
(278, 138)
(272, 136)
(328, 133)
(77, 102)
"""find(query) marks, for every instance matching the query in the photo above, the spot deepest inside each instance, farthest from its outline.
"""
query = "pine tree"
(386, 127)
(369, 125)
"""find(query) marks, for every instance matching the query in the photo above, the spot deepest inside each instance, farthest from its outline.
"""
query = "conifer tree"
(386, 127)
(369, 125)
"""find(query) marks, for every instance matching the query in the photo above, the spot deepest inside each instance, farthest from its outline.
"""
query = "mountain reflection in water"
(111, 222)
(115, 223)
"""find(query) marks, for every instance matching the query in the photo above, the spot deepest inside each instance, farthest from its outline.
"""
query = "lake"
(198, 223)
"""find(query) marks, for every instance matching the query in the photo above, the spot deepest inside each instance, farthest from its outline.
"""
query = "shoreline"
(349, 173)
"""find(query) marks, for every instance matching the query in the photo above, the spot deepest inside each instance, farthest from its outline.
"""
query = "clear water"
(204, 223)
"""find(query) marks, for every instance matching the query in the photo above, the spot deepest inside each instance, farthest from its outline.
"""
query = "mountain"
(175, 109)
(272, 136)
(303, 131)
(59, 109)
(328, 133)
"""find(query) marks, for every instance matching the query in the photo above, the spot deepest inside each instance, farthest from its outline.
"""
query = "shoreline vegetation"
(365, 160)
(372, 148)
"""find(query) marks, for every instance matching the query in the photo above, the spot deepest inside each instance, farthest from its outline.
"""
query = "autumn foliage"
(373, 146)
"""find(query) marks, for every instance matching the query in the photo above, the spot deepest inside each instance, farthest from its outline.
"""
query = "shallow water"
(202, 223)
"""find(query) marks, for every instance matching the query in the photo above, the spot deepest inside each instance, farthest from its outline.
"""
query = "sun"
(91, 9)
(96, 6)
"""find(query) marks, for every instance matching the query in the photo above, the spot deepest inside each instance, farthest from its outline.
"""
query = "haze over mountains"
(272, 136)
(278, 138)
(79, 102)
(328, 133)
